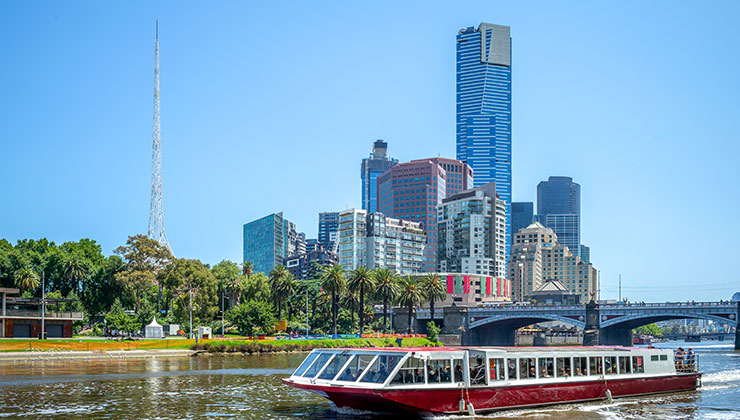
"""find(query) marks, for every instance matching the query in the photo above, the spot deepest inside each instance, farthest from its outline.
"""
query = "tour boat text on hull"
(458, 379)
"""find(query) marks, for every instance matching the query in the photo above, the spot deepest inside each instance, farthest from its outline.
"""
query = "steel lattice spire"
(156, 213)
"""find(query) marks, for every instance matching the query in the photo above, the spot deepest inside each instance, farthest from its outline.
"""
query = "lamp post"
(190, 295)
(223, 328)
(43, 306)
(307, 314)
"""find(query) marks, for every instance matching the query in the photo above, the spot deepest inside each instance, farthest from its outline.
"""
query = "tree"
(360, 280)
(252, 318)
(191, 279)
(286, 288)
(75, 269)
(650, 329)
(434, 290)
(230, 281)
(410, 295)
(257, 287)
(102, 288)
(26, 278)
(145, 258)
(432, 331)
(386, 282)
(248, 268)
(333, 282)
(277, 274)
(118, 319)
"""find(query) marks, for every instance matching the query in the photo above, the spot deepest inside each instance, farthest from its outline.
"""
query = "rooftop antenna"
(620, 287)
(156, 213)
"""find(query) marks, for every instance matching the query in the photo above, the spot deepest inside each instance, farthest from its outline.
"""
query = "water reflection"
(248, 387)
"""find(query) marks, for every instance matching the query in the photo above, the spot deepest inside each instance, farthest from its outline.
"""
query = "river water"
(248, 387)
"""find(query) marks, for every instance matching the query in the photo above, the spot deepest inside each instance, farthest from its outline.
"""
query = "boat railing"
(687, 363)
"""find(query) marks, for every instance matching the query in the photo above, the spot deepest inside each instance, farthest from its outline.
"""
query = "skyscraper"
(412, 190)
(329, 229)
(522, 215)
(559, 208)
(270, 240)
(371, 169)
(484, 106)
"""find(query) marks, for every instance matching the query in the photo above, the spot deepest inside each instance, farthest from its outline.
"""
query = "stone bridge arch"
(500, 330)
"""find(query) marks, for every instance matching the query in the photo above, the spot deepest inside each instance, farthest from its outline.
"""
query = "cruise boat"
(476, 380)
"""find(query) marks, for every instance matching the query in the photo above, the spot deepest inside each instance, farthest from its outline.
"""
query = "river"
(248, 387)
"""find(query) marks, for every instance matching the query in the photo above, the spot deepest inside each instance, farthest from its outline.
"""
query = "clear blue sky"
(270, 106)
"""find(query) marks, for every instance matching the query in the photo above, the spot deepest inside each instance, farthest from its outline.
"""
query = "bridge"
(613, 323)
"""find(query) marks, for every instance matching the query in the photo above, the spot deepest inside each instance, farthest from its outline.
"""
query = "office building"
(307, 265)
(329, 229)
(472, 232)
(522, 215)
(377, 241)
(586, 254)
(271, 239)
(559, 208)
(371, 168)
(412, 190)
(537, 256)
(483, 123)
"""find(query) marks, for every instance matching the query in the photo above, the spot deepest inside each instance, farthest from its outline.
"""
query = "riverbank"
(28, 356)
(278, 346)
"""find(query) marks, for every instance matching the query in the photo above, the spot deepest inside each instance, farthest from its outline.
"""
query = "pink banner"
(488, 286)
(498, 286)
(467, 285)
(450, 285)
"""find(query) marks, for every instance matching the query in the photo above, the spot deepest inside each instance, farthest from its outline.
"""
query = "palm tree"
(361, 279)
(75, 269)
(287, 287)
(410, 295)
(277, 274)
(350, 301)
(248, 268)
(386, 281)
(25, 278)
(332, 280)
(434, 290)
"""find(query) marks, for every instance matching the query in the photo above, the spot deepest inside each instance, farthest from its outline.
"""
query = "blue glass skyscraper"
(378, 163)
(559, 208)
(522, 215)
(484, 107)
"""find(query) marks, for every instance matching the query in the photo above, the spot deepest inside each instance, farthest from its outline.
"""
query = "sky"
(271, 106)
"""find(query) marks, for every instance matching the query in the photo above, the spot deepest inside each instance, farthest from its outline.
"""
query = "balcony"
(21, 313)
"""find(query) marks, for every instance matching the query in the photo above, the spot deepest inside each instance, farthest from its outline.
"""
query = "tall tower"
(156, 213)
(484, 107)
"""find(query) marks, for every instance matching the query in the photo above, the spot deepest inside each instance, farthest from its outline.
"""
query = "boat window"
(379, 370)
(563, 365)
(546, 368)
(527, 369)
(306, 363)
(457, 368)
(511, 367)
(496, 369)
(332, 369)
(663, 357)
(439, 371)
(624, 364)
(477, 371)
(412, 372)
(637, 365)
(654, 358)
(610, 365)
(355, 367)
(580, 366)
(594, 364)
(316, 367)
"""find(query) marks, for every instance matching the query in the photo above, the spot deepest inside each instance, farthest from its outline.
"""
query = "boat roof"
(508, 349)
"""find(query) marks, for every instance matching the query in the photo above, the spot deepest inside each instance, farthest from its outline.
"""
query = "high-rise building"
(329, 229)
(352, 238)
(559, 208)
(371, 169)
(471, 229)
(394, 244)
(375, 240)
(412, 190)
(484, 106)
(304, 266)
(522, 215)
(537, 256)
(271, 239)
(586, 254)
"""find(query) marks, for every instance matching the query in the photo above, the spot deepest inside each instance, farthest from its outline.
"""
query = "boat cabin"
(478, 367)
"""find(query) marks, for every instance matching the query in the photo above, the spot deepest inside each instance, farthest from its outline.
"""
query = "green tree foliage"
(252, 317)
(333, 282)
(191, 278)
(145, 258)
(257, 287)
(650, 329)
(25, 278)
(410, 295)
(102, 288)
(118, 319)
(386, 283)
(434, 290)
(230, 281)
(433, 331)
(277, 275)
(361, 281)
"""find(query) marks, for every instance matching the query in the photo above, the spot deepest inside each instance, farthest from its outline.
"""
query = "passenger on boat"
(433, 375)
(478, 372)
(690, 359)
(678, 358)
(458, 373)
(446, 374)
(419, 376)
(512, 368)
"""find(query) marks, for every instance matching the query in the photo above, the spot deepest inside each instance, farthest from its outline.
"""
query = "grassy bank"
(14, 345)
(274, 346)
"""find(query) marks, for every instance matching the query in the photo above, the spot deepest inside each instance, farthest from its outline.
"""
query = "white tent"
(154, 330)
